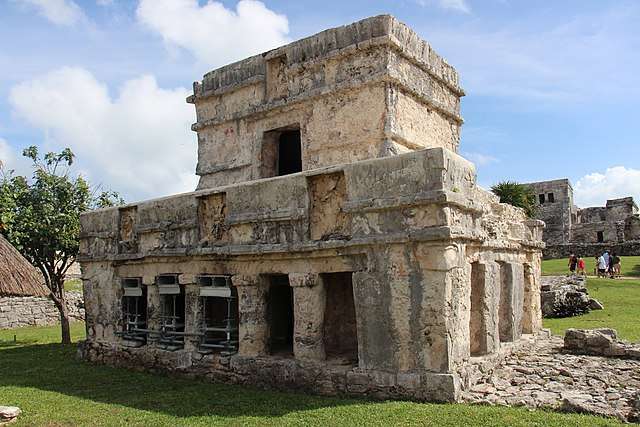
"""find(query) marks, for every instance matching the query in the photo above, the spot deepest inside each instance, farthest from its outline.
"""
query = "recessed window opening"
(218, 315)
(551, 197)
(172, 312)
(289, 153)
(280, 315)
(541, 198)
(134, 311)
(600, 236)
(340, 331)
(281, 152)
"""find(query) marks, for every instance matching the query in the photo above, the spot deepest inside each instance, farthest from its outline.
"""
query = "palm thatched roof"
(17, 276)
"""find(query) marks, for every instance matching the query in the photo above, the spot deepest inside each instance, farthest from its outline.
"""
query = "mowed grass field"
(620, 297)
(53, 388)
(630, 266)
(621, 300)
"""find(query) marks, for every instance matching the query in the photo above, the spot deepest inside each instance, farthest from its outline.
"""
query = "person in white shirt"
(602, 266)
(607, 258)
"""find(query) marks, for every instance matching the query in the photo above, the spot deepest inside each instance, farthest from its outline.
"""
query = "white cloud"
(479, 158)
(457, 5)
(60, 12)
(6, 154)
(596, 188)
(214, 34)
(583, 59)
(138, 143)
(11, 160)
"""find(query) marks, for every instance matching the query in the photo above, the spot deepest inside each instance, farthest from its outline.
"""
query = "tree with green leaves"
(40, 216)
(519, 195)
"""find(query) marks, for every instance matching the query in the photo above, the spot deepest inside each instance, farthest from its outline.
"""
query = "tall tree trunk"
(61, 303)
(64, 323)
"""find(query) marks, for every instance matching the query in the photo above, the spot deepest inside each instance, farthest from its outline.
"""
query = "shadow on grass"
(53, 367)
(8, 344)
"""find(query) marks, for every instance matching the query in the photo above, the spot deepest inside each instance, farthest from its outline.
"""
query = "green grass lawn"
(621, 300)
(54, 389)
(630, 266)
(620, 297)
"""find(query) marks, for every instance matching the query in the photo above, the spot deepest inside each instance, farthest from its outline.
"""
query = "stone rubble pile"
(544, 376)
(599, 342)
(566, 296)
(9, 414)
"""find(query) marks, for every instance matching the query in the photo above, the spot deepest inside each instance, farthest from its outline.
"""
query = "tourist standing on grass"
(573, 263)
(602, 266)
(615, 265)
(581, 266)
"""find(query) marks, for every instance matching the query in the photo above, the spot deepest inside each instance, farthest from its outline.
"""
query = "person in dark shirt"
(615, 265)
(573, 263)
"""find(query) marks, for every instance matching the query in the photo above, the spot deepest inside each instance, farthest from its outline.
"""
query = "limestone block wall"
(362, 91)
(569, 228)
(425, 258)
(17, 312)
(589, 232)
(559, 215)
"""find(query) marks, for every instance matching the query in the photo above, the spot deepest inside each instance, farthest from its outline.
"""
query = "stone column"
(511, 301)
(252, 307)
(532, 312)
(373, 322)
(484, 334)
(191, 311)
(153, 308)
(309, 299)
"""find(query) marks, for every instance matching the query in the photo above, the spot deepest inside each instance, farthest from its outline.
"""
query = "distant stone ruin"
(336, 244)
(589, 231)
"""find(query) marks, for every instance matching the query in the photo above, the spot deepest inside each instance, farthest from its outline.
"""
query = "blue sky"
(552, 87)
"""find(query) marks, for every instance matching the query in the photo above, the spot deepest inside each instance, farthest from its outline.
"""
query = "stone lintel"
(299, 280)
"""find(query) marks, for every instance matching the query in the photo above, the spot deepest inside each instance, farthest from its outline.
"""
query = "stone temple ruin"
(588, 231)
(336, 244)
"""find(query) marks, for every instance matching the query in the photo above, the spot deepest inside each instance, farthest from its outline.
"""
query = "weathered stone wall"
(558, 215)
(16, 312)
(377, 73)
(588, 231)
(407, 230)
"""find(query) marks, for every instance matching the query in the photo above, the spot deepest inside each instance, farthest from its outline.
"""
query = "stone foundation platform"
(542, 375)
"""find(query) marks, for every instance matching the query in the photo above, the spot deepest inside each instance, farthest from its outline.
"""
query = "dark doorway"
(281, 152)
(340, 331)
(600, 236)
(280, 315)
(289, 153)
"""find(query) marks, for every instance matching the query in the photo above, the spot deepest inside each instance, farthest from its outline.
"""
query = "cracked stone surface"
(543, 376)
